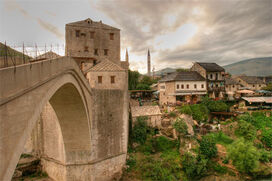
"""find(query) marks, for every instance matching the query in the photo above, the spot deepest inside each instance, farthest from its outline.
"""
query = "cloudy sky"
(177, 32)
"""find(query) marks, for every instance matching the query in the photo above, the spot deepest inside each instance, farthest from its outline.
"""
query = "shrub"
(221, 138)
(217, 106)
(200, 112)
(194, 167)
(172, 114)
(267, 137)
(186, 110)
(161, 169)
(180, 126)
(246, 130)
(265, 156)
(161, 144)
(139, 131)
(218, 168)
(130, 162)
(208, 146)
(244, 156)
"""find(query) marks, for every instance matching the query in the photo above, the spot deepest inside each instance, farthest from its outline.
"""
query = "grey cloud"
(241, 29)
(49, 27)
(13, 5)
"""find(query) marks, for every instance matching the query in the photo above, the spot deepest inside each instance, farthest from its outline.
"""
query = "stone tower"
(148, 63)
(89, 41)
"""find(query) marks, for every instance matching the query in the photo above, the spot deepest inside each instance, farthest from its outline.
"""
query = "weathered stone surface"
(92, 123)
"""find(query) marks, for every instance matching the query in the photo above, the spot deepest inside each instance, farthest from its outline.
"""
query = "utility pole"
(24, 52)
(6, 56)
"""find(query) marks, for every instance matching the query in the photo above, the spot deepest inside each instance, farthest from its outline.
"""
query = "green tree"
(217, 106)
(194, 167)
(133, 79)
(181, 127)
(267, 137)
(245, 157)
(147, 80)
(208, 146)
(247, 130)
(139, 131)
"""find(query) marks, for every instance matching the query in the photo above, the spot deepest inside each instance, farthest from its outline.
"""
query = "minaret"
(127, 58)
(148, 63)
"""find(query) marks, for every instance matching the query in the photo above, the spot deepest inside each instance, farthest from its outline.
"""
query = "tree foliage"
(267, 137)
(133, 79)
(194, 167)
(217, 106)
(244, 156)
(246, 130)
(207, 146)
(268, 87)
(180, 126)
(139, 131)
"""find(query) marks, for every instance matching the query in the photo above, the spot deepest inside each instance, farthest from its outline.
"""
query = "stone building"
(250, 82)
(231, 87)
(182, 86)
(89, 41)
(152, 113)
(214, 74)
(107, 75)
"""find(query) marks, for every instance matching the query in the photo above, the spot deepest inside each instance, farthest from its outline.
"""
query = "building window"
(211, 77)
(86, 49)
(111, 36)
(202, 86)
(182, 86)
(226, 86)
(233, 86)
(216, 85)
(195, 86)
(100, 79)
(187, 86)
(77, 33)
(259, 85)
(112, 79)
(177, 86)
(96, 51)
(106, 51)
(253, 85)
(83, 34)
(92, 34)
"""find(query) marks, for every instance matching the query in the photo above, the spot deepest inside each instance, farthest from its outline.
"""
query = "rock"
(167, 131)
(166, 122)
(189, 122)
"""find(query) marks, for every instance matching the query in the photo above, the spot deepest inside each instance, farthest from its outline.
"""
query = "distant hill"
(11, 52)
(165, 71)
(252, 67)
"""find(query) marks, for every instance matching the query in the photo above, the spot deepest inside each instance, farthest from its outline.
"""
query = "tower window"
(92, 34)
(106, 51)
(182, 86)
(100, 79)
(111, 36)
(187, 86)
(77, 33)
(112, 79)
(96, 51)
(86, 49)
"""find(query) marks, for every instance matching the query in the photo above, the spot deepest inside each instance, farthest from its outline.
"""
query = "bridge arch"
(66, 95)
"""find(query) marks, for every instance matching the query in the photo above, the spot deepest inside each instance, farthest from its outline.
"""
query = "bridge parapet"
(18, 80)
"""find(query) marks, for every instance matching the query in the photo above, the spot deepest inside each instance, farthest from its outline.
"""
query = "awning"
(187, 93)
(258, 99)
(245, 92)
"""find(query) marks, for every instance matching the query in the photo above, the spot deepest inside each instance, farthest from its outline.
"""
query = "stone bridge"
(88, 139)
